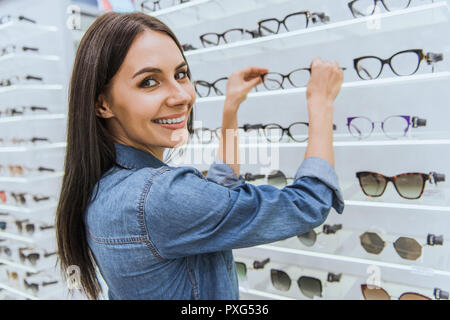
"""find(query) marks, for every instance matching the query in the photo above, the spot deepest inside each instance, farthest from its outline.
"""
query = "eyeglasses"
(13, 49)
(18, 80)
(407, 248)
(21, 198)
(188, 46)
(203, 88)
(8, 18)
(14, 141)
(211, 39)
(309, 286)
(8, 112)
(393, 127)
(160, 4)
(205, 135)
(309, 238)
(293, 21)
(297, 78)
(367, 7)
(6, 250)
(408, 185)
(30, 227)
(403, 63)
(376, 293)
(297, 131)
(276, 178)
(241, 268)
(35, 286)
(19, 170)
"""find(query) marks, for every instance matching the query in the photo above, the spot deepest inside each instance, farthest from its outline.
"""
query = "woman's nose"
(178, 95)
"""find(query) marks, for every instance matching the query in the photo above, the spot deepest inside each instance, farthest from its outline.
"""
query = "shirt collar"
(132, 158)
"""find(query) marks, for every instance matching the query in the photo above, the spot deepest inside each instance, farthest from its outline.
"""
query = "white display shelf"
(420, 276)
(196, 12)
(405, 80)
(48, 236)
(37, 178)
(391, 205)
(406, 142)
(42, 147)
(21, 60)
(252, 294)
(17, 292)
(27, 210)
(420, 16)
(19, 266)
(33, 118)
(25, 89)
(17, 29)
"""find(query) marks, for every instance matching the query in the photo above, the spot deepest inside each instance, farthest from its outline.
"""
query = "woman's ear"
(102, 108)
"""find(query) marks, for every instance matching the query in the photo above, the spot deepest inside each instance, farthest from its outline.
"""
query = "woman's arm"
(239, 85)
(323, 87)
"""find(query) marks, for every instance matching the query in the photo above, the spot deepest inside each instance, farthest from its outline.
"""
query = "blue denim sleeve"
(221, 173)
(188, 214)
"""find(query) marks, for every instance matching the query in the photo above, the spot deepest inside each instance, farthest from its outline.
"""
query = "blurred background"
(395, 244)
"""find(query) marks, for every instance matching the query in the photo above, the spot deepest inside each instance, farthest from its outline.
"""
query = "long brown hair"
(90, 150)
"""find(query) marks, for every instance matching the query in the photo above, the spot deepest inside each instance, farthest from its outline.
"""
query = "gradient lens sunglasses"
(241, 267)
(309, 238)
(371, 292)
(309, 286)
(407, 248)
(408, 185)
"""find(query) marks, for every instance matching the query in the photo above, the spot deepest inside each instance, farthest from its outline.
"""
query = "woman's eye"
(149, 82)
(181, 75)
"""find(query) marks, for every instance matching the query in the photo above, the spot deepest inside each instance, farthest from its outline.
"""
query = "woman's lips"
(173, 126)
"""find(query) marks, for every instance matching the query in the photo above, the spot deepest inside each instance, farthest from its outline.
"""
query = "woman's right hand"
(325, 82)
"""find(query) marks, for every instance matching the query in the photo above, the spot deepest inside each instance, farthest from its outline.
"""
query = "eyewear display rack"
(422, 25)
(36, 54)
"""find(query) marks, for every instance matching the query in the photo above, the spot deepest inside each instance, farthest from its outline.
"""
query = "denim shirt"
(163, 232)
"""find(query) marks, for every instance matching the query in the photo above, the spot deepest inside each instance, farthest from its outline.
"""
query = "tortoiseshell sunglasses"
(408, 185)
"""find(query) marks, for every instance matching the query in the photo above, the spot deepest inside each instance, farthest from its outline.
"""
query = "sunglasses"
(368, 7)
(377, 293)
(18, 80)
(19, 170)
(8, 18)
(403, 63)
(241, 267)
(10, 112)
(407, 248)
(35, 286)
(276, 178)
(309, 238)
(309, 286)
(393, 127)
(13, 49)
(408, 185)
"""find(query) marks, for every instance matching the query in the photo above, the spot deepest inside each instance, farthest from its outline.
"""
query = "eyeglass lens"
(393, 127)
(407, 248)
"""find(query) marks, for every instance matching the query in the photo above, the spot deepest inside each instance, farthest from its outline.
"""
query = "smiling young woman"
(156, 231)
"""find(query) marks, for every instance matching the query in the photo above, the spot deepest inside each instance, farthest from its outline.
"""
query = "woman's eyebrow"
(156, 70)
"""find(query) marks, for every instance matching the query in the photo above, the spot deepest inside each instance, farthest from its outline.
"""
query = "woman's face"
(151, 97)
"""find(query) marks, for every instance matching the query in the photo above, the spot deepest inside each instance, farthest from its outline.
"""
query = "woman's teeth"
(171, 121)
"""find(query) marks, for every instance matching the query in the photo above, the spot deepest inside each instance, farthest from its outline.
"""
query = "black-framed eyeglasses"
(206, 135)
(7, 18)
(273, 132)
(309, 238)
(309, 286)
(403, 63)
(212, 39)
(362, 8)
(154, 5)
(393, 127)
(409, 185)
(293, 21)
(407, 248)
(13, 49)
(205, 88)
(18, 80)
(371, 292)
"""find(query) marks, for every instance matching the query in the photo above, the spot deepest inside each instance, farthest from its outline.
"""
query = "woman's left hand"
(240, 83)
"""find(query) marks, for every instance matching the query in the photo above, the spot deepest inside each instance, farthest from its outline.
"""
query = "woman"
(161, 232)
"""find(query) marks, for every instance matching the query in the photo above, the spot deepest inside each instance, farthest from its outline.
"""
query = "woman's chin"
(178, 138)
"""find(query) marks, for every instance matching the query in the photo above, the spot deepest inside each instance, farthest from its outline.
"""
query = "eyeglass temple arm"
(322, 16)
(26, 19)
(260, 264)
(418, 122)
(250, 177)
(431, 57)
(247, 126)
(433, 240)
(440, 294)
(332, 277)
(436, 177)
(29, 48)
(330, 229)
